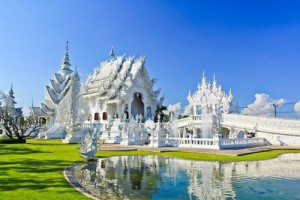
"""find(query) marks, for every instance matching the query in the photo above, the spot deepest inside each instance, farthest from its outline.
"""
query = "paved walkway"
(232, 152)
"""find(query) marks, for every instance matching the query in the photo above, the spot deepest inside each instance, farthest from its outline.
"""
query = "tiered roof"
(57, 88)
(112, 78)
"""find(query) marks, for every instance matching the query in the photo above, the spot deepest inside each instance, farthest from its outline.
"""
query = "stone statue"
(149, 113)
(88, 144)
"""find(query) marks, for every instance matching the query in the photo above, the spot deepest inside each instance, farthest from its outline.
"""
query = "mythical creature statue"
(88, 144)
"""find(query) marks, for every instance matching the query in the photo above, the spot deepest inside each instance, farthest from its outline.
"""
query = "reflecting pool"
(157, 177)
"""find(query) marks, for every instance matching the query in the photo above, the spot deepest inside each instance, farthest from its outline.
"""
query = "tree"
(16, 126)
(160, 115)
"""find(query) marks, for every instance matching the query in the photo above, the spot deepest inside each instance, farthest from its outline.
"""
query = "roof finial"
(76, 71)
(32, 102)
(67, 47)
(11, 94)
(66, 61)
(112, 53)
(203, 80)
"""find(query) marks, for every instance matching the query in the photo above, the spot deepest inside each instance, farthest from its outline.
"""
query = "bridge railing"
(241, 143)
(195, 142)
(214, 143)
(263, 124)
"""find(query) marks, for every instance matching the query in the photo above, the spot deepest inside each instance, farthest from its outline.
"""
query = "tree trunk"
(21, 139)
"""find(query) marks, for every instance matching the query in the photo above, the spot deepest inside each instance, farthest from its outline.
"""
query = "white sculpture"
(212, 102)
(88, 144)
(210, 98)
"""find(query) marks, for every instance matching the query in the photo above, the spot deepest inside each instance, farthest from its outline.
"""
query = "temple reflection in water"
(155, 177)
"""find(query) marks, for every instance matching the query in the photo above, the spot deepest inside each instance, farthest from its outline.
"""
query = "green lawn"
(35, 170)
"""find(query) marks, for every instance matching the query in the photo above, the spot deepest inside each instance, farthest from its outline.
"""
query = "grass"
(201, 156)
(35, 170)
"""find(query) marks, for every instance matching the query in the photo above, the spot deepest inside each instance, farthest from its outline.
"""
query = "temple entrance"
(137, 105)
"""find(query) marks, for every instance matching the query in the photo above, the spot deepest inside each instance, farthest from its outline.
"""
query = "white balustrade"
(241, 143)
(196, 117)
(218, 143)
(263, 124)
(198, 143)
(139, 135)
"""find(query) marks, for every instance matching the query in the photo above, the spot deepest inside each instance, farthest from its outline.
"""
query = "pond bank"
(228, 152)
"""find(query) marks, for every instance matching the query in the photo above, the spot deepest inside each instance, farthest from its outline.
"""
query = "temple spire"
(112, 53)
(76, 71)
(11, 92)
(203, 84)
(214, 85)
(11, 89)
(11, 95)
(66, 61)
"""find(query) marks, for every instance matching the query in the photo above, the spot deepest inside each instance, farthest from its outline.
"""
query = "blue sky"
(252, 46)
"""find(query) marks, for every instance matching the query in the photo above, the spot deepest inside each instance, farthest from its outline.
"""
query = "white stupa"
(61, 100)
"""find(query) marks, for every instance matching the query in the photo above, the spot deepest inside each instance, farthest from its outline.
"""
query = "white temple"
(119, 101)
(120, 89)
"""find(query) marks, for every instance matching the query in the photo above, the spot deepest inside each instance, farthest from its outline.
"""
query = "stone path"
(232, 152)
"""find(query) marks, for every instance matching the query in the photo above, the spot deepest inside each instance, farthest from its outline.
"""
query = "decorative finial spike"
(11, 94)
(112, 53)
(215, 82)
(67, 47)
(66, 61)
(203, 80)
(32, 102)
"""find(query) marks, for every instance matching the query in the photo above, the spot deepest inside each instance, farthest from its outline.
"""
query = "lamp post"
(275, 109)
(250, 109)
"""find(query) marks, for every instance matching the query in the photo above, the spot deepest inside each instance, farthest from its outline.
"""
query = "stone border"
(75, 184)
(229, 152)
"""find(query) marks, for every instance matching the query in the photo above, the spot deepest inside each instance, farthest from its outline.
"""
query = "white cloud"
(174, 108)
(187, 110)
(297, 107)
(263, 105)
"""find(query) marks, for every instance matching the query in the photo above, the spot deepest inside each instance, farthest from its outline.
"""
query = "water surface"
(157, 177)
